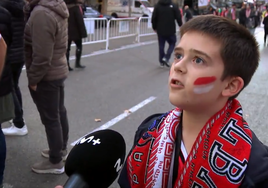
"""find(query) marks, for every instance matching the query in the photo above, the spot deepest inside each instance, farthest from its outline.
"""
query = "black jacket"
(242, 17)
(6, 32)
(265, 22)
(256, 173)
(188, 15)
(76, 25)
(164, 16)
(15, 8)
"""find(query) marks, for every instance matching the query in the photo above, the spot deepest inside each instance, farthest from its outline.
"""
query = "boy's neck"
(193, 121)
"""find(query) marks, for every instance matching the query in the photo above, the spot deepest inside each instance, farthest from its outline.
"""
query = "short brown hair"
(239, 49)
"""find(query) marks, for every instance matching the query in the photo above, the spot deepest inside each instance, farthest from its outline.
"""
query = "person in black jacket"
(16, 61)
(204, 141)
(187, 13)
(242, 15)
(265, 23)
(6, 99)
(76, 31)
(163, 22)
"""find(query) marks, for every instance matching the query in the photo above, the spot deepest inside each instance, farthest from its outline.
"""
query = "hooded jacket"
(6, 30)
(46, 35)
(256, 174)
(164, 16)
(15, 8)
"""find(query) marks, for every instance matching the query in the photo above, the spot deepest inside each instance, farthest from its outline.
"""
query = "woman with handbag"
(76, 31)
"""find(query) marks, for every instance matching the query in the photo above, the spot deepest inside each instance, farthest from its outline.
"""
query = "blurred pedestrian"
(6, 99)
(16, 61)
(76, 31)
(163, 22)
(265, 23)
(233, 13)
(251, 21)
(195, 11)
(242, 15)
(45, 47)
(187, 13)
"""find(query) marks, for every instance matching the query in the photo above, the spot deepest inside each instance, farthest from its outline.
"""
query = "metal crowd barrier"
(101, 30)
(96, 30)
(121, 28)
(144, 27)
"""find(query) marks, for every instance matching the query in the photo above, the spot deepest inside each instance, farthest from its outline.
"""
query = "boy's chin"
(184, 103)
(177, 101)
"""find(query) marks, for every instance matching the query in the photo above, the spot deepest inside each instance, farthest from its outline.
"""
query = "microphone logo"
(118, 165)
(88, 140)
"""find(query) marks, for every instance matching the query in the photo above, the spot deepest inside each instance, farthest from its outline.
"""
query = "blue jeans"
(171, 40)
(2, 155)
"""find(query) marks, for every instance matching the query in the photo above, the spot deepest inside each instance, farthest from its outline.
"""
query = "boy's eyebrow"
(194, 51)
(201, 53)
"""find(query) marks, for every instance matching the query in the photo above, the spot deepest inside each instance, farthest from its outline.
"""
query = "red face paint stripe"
(204, 80)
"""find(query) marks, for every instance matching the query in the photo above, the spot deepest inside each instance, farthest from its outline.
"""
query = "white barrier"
(144, 27)
(121, 28)
(96, 30)
(100, 30)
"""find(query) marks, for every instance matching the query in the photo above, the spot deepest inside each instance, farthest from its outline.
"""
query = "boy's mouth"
(176, 82)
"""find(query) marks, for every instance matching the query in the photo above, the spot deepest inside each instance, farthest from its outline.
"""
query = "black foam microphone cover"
(97, 158)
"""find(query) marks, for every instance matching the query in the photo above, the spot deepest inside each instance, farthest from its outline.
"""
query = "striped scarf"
(218, 158)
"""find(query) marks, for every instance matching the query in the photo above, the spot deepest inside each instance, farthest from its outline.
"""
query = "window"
(91, 11)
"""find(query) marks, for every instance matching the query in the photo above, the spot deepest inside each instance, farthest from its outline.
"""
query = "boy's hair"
(239, 49)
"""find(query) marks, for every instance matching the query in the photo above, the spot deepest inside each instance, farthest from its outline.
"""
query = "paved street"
(111, 84)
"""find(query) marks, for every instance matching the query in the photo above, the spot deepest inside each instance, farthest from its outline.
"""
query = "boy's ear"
(233, 86)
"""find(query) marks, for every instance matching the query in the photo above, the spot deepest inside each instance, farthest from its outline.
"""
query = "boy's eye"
(198, 60)
(178, 56)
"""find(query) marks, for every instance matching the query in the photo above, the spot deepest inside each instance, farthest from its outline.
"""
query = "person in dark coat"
(163, 22)
(242, 15)
(188, 14)
(76, 31)
(6, 99)
(265, 23)
(16, 61)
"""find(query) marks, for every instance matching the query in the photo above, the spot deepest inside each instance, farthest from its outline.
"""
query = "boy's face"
(195, 75)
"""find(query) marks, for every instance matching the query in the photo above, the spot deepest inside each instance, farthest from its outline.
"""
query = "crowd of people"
(249, 15)
(39, 34)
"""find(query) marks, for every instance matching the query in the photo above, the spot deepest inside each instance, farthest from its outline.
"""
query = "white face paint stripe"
(202, 89)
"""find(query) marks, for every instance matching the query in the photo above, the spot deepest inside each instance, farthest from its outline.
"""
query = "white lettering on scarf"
(165, 151)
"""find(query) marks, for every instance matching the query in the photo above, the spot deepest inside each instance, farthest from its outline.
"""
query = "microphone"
(95, 160)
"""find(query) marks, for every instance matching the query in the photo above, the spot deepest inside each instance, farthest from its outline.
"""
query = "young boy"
(203, 142)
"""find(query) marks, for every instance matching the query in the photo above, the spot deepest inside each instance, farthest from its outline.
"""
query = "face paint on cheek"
(204, 84)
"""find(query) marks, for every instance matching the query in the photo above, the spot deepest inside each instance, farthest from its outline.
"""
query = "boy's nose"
(180, 66)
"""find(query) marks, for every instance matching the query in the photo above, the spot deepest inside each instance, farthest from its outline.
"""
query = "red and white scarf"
(218, 158)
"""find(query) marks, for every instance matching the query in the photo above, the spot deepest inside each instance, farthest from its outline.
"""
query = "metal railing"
(121, 28)
(101, 30)
(96, 30)
(144, 27)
